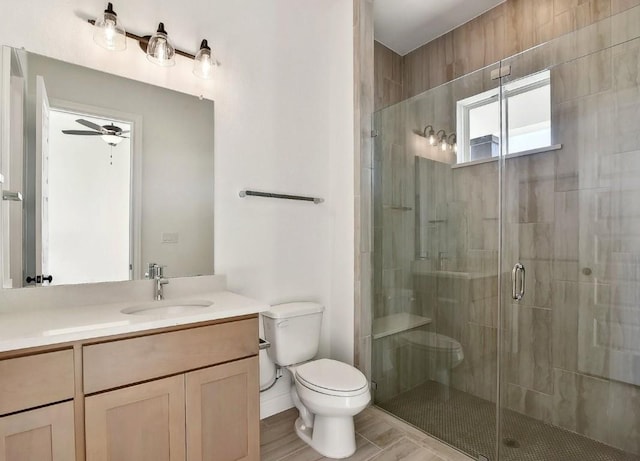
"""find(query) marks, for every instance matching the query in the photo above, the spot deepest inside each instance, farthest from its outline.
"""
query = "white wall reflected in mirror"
(89, 202)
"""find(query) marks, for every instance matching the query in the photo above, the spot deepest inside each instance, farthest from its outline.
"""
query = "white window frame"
(464, 106)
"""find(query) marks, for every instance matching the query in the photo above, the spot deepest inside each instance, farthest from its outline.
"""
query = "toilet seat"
(331, 377)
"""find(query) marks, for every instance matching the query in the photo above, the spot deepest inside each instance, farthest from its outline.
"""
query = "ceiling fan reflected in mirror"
(111, 134)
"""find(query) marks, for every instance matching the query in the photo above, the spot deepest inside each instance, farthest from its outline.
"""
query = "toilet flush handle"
(283, 324)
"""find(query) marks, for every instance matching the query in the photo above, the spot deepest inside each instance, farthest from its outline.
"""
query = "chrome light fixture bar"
(111, 35)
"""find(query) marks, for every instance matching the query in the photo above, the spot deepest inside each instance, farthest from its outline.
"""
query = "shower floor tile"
(468, 422)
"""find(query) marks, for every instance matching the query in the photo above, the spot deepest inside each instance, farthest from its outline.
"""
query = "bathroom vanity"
(179, 385)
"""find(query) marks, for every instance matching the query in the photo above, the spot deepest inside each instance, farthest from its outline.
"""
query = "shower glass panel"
(436, 240)
(506, 318)
(570, 347)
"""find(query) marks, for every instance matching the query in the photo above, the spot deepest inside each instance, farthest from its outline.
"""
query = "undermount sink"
(168, 307)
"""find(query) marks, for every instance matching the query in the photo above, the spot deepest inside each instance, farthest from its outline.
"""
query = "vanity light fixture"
(160, 51)
(110, 33)
(430, 135)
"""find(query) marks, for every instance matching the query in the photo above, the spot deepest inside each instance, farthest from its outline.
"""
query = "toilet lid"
(331, 377)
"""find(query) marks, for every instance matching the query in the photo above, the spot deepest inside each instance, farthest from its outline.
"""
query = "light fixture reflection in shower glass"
(430, 134)
(453, 143)
(110, 33)
(160, 51)
(204, 63)
(442, 139)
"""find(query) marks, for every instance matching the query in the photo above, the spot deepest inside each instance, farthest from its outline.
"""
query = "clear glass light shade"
(109, 32)
(204, 63)
(444, 144)
(159, 50)
(453, 143)
(112, 139)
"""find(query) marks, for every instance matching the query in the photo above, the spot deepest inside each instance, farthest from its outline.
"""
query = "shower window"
(527, 105)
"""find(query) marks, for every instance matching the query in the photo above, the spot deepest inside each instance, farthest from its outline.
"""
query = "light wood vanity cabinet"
(142, 422)
(188, 394)
(28, 433)
(43, 434)
(225, 429)
(207, 409)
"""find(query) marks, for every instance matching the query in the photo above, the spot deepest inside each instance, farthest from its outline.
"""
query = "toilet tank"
(293, 329)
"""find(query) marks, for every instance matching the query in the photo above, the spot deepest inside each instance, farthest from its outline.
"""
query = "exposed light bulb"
(110, 33)
(444, 145)
(204, 63)
(159, 49)
(162, 49)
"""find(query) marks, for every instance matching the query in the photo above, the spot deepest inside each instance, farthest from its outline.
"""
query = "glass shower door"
(570, 256)
(436, 210)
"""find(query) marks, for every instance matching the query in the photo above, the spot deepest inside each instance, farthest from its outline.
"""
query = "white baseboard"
(276, 405)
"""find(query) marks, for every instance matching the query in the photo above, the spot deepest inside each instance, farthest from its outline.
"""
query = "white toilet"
(441, 352)
(327, 393)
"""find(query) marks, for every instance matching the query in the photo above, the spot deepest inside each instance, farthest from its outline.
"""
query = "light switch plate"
(169, 237)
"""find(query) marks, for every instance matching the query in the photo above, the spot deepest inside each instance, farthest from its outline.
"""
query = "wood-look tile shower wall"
(503, 31)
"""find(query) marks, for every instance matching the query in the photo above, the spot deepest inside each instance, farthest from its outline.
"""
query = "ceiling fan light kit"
(111, 35)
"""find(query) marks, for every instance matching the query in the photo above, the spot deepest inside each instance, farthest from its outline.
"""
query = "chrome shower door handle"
(517, 282)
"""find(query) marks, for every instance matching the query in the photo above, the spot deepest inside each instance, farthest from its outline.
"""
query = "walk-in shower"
(506, 314)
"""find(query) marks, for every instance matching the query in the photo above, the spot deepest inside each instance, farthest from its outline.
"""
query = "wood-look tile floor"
(379, 437)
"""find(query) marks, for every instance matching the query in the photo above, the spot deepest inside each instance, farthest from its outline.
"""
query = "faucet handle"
(151, 271)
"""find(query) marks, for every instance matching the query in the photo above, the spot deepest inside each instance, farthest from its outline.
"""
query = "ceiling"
(404, 25)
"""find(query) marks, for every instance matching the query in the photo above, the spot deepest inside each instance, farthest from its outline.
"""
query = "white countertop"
(20, 329)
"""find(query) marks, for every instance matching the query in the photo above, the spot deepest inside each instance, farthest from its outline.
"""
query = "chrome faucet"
(156, 272)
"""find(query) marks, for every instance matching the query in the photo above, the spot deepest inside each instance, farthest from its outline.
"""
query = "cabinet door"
(137, 423)
(223, 414)
(45, 434)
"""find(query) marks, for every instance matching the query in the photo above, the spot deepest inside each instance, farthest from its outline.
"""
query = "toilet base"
(331, 436)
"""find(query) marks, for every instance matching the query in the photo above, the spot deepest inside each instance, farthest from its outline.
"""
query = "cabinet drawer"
(35, 380)
(119, 363)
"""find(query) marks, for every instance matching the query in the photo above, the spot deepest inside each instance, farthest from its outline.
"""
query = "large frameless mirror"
(102, 175)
